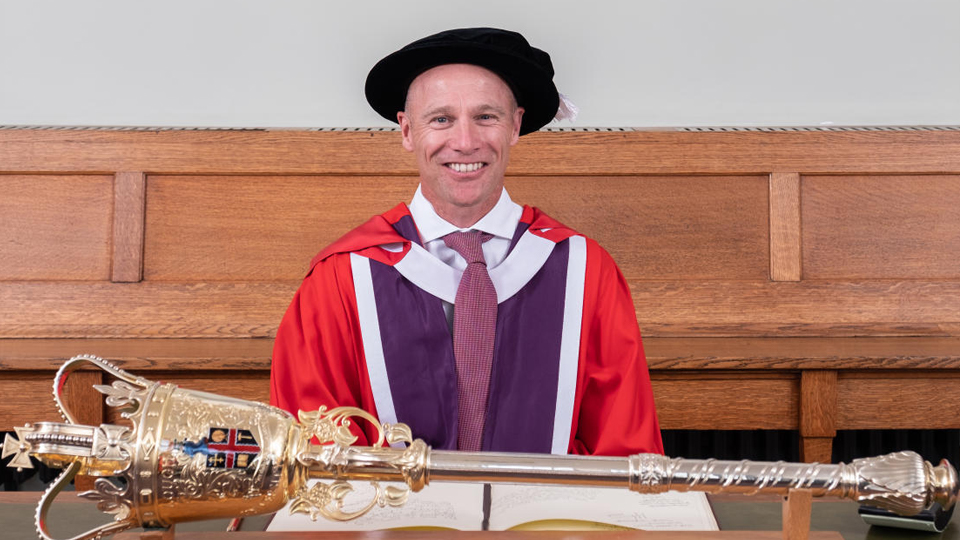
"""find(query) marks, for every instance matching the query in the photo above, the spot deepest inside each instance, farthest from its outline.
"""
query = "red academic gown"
(320, 355)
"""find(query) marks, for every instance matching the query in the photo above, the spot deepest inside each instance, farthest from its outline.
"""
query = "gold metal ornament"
(189, 455)
(327, 500)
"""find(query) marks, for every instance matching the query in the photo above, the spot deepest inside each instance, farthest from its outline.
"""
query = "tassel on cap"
(567, 110)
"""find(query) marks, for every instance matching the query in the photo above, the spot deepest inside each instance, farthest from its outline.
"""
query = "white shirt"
(501, 221)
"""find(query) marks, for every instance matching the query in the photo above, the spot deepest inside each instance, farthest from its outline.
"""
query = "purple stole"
(417, 353)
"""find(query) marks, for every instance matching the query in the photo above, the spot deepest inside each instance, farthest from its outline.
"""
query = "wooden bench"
(783, 280)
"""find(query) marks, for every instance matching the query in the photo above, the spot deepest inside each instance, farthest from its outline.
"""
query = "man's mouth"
(466, 167)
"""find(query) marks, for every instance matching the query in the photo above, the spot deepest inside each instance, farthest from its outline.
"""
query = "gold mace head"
(184, 455)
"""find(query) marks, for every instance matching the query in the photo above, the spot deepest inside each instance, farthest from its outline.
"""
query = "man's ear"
(404, 122)
(517, 119)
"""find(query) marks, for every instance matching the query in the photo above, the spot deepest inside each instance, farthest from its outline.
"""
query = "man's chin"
(473, 198)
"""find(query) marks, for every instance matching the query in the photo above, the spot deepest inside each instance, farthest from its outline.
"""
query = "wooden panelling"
(684, 401)
(704, 402)
(677, 227)
(887, 227)
(76, 395)
(761, 402)
(753, 258)
(717, 230)
(816, 449)
(663, 354)
(55, 227)
(128, 207)
(571, 153)
(786, 353)
(806, 308)
(255, 228)
(818, 403)
(785, 227)
(898, 400)
(43, 310)
(27, 397)
(707, 308)
(140, 355)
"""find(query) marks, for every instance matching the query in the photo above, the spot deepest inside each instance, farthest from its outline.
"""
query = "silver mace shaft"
(901, 482)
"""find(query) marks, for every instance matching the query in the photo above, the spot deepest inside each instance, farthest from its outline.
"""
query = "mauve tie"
(474, 324)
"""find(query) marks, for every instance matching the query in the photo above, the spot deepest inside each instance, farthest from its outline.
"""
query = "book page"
(446, 505)
(591, 508)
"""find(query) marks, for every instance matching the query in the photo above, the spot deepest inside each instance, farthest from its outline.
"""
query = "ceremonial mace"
(189, 455)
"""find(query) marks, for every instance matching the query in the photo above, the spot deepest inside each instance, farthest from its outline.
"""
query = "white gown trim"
(570, 344)
(370, 335)
(432, 275)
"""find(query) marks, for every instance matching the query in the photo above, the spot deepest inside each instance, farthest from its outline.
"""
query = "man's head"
(462, 99)
(460, 121)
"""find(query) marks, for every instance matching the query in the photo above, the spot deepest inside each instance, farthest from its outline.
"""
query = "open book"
(474, 507)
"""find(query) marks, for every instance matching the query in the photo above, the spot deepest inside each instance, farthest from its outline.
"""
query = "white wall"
(302, 63)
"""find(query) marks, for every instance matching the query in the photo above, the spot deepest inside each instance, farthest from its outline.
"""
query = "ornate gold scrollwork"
(328, 500)
(333, 426)
(110, 497)
(332, 430)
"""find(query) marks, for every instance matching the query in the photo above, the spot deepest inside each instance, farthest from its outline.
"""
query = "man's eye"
(441, 120)
(487, 117)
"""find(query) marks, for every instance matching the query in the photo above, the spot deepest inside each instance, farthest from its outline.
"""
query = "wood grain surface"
(255, 228)
(730, 401)
(76, 397)
(805, 308)
(136, 354)
(753, 260)
(717, 230)
(816, 449)
(663, 354)
(790, 353)
(128, 209)
(557, 153)
(902, 400)
(785, 227)
(685, 308)
(100, 309)
(27, 397)
(796, 514)
(664, 227)
(881, 227)
(55, 227)
(818, 403)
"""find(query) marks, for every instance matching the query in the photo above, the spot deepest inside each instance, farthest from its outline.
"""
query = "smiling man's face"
(460, 122)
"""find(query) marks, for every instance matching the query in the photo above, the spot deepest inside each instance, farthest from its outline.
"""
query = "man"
(482, 324)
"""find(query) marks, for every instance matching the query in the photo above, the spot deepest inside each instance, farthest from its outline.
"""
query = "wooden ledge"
(140, 354)
(378, 153)
(663, 354)
(793, 353)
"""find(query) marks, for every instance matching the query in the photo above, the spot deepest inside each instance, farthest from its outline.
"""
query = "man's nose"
(465, 137)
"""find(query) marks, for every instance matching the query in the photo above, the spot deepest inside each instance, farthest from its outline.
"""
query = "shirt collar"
(500, 221)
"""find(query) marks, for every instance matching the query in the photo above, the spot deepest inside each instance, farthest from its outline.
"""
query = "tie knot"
(468, 244)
